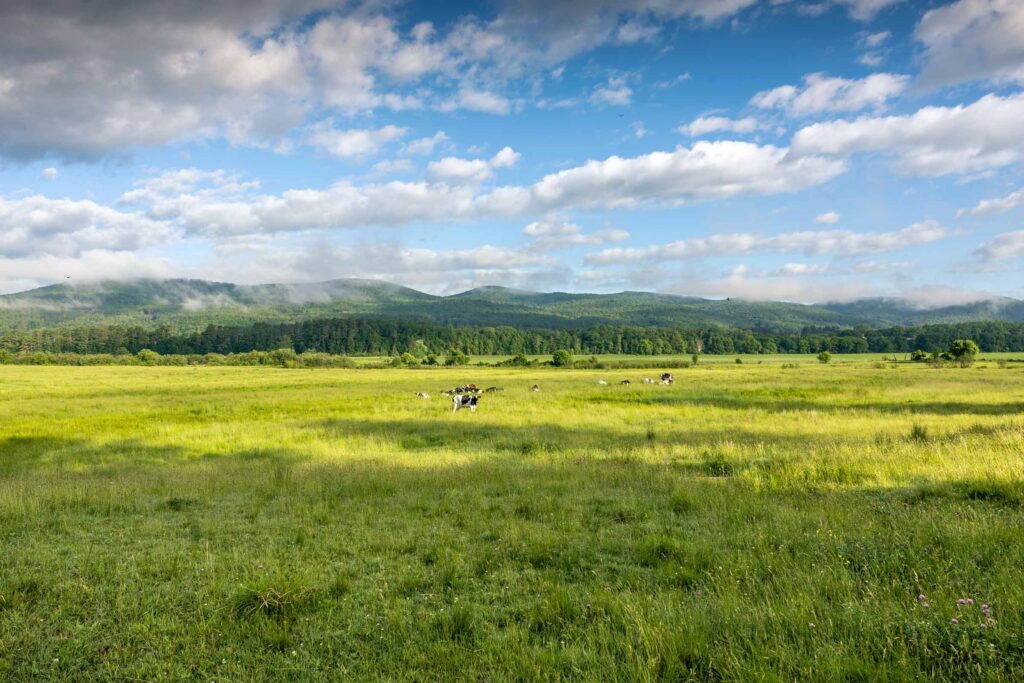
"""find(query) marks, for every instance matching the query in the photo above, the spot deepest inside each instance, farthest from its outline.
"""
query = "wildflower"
(954, 621)
(812, 626)
(970, 601)
(921, 598)
(925, 605)
(961, 601)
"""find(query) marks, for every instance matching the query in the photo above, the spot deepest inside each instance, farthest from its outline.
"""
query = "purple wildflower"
(954, 621)
(970, 601)
(921, 598)
(961, 601)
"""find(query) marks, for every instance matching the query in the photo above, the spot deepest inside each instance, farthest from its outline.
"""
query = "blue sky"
(802, 150)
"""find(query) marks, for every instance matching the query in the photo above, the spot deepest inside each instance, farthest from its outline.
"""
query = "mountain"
(193, 304)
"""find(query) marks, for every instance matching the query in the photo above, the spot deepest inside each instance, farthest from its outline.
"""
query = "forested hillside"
(187, 306)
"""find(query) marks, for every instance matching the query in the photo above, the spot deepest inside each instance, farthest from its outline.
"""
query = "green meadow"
(778, 521)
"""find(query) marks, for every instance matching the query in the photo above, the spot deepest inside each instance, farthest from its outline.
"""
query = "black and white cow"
(464, 401)
(667, 378)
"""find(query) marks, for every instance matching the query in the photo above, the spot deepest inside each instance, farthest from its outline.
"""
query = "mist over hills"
(188, 305)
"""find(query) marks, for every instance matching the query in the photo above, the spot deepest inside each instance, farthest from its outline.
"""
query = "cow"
(423, 395)
(468, 389)
(535, 387)
(625, 381)
(648, 380)
(491, 390)
(602, 382)
(464, 401)
(667, 378)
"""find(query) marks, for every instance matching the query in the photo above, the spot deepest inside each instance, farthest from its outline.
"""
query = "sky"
(797, 150)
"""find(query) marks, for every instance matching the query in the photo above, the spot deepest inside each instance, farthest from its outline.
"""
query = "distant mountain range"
(192, 304)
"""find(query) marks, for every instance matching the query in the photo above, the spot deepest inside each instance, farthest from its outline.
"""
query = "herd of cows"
(468, 396)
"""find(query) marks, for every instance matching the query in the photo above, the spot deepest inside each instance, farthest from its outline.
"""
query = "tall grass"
(747, 523)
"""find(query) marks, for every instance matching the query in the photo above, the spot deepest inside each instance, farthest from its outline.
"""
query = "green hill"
(187, 305)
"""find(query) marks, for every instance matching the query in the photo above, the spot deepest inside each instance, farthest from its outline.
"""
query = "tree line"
(376, 337)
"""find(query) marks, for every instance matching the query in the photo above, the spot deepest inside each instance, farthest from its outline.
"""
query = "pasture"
(751, 522)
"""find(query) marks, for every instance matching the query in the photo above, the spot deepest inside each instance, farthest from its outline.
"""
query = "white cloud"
(827, 218)
(479, 101)
(424, 146)
(48, 173)
(997, 205)
(713, 124)
(392, 166)
(972, 39)
(355, 142)
(933, 141)
(216, 203)
(865, 10)
(681, 78)
(551, 233)
(707, 170)
(39, 225)
(874, 40)
(22, 273)
(810, 242)
(821, 93)
(1007, 245)
(471, 171)
(615, 93)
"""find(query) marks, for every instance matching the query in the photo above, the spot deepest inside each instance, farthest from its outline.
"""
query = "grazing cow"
(468, 389)
(491, 390)
(423, 395)
(535, 387)
(602, 382)
(464, 401)
(648, 380)
(667, 378)
(625, 381)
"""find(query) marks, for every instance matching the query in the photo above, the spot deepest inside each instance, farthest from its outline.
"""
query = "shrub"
(964, 351)
(409, 359)
(919, 356)
(824, 357)
(562, 358)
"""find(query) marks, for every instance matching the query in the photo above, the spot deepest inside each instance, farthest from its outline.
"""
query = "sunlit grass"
(751, 522)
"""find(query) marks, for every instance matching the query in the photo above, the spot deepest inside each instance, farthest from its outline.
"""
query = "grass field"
(676, 359)
(750, 523)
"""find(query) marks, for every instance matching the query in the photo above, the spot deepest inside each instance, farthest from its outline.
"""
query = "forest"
(377, 337)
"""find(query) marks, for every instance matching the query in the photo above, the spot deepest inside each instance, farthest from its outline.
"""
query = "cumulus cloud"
(39, 225)
(820, 93)
(972, 39)
(1007, 245)
(933, 141)
(424, 146)
(714, 124)
(810, 242)
(117, 76)
(473, 171)
(827, 218)
(48, 173)
(217, 203)
(707, 170)
(615, 93)
(551, 233)
(354, 142)
(996, 205)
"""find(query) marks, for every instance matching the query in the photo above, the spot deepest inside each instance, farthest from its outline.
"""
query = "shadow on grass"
(544, 437)
(19, 455)
(779, 405)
